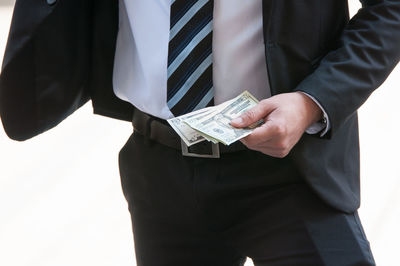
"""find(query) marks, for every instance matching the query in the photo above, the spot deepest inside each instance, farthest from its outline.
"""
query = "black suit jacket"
(60, 56)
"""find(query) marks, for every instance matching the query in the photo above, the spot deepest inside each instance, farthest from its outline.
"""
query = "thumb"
(255, 114)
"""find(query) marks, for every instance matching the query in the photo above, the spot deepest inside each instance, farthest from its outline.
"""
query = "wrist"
(312, 113)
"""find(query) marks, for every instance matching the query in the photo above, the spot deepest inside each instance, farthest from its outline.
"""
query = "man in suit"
(290, 194)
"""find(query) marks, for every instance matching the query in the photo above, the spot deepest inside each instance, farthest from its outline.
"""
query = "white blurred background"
(61, 203)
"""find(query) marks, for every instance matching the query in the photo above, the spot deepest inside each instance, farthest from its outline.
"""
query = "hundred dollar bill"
(216, 124)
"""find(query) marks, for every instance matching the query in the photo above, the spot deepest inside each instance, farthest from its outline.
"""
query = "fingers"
(260, 111)
(271, 139)
(260, 135)
(268, 131)
(271, 149)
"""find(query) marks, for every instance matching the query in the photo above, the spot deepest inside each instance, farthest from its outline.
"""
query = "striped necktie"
(190, 84)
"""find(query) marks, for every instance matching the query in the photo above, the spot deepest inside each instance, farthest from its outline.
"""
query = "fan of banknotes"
(213, 123)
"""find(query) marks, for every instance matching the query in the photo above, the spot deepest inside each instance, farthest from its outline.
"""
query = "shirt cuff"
(321, 127)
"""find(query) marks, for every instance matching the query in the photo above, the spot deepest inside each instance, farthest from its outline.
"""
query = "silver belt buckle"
(214, 148)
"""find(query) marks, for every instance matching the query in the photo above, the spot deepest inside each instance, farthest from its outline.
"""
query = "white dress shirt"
(140, 67)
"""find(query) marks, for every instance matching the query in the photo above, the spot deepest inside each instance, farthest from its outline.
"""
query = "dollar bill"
(188, 134)
(216, 124)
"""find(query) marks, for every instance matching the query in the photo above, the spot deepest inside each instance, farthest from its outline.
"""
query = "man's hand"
(286, 118)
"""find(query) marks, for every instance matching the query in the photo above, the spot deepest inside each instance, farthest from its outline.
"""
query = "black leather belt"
(160, 131)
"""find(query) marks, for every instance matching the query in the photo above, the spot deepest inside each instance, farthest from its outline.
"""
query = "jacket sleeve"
(45, 67)
(368, 50)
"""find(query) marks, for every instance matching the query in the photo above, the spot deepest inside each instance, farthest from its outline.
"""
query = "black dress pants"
(192, 211)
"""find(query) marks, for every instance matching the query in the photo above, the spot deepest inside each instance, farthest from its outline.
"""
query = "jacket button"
(51, 2)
